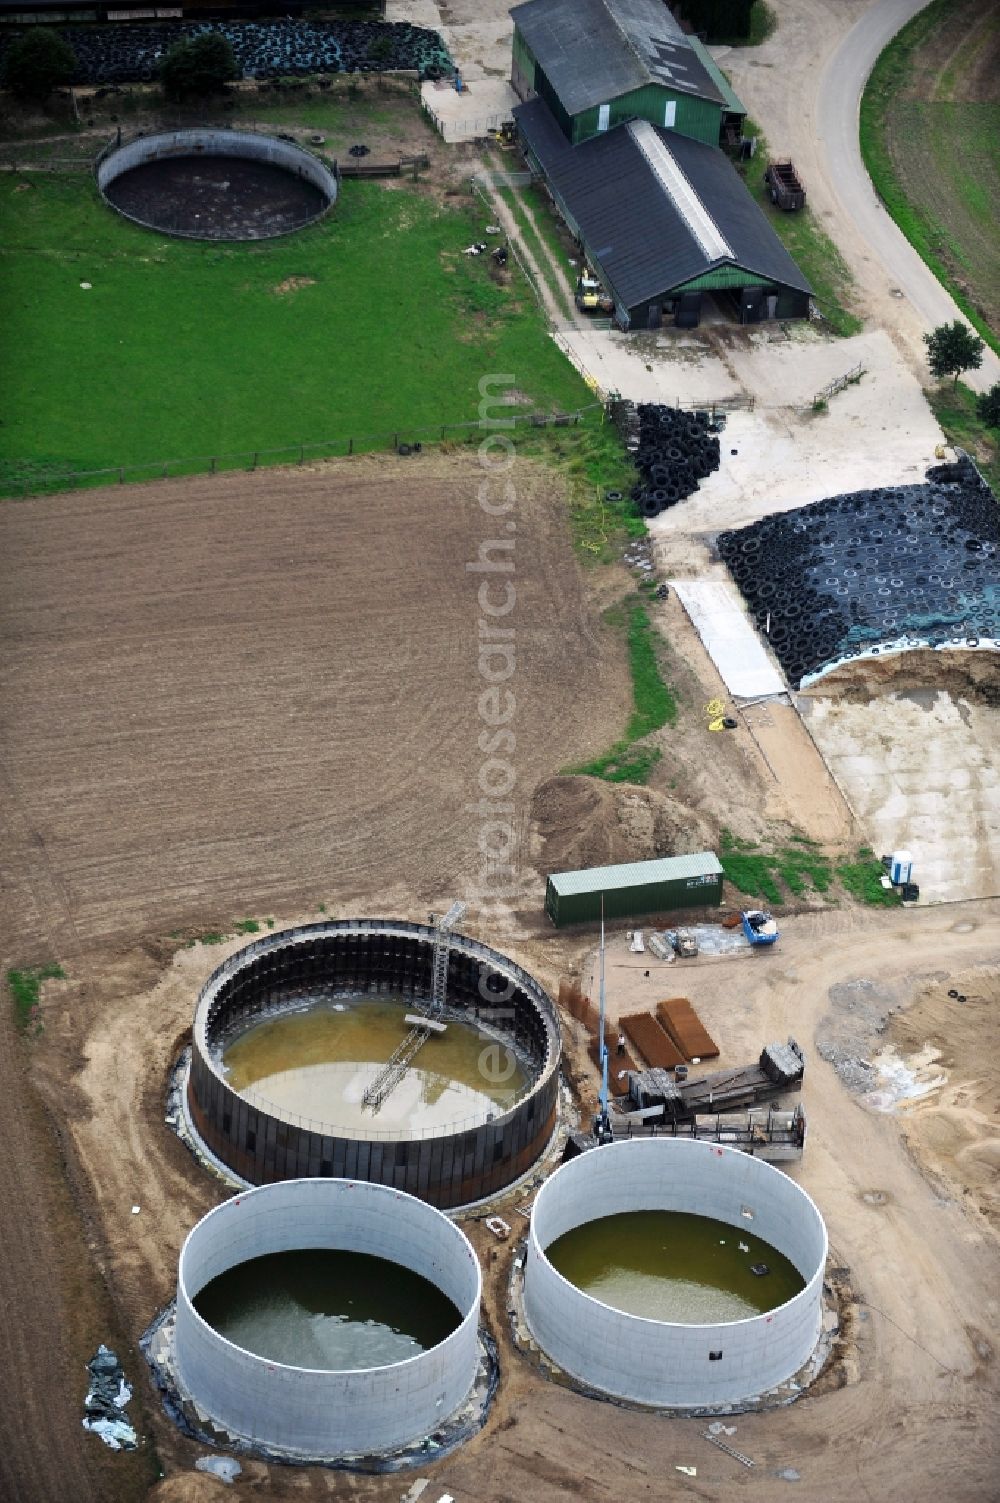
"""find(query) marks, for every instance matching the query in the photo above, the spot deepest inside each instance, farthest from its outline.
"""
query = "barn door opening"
(603, 116)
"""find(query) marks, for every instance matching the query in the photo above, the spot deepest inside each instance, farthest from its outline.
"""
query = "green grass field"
(371, 322)
(930, 138)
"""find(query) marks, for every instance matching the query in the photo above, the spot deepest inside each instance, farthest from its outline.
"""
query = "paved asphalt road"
(837, 107)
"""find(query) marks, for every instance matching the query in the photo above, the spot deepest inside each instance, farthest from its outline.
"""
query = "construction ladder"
(396, 1065)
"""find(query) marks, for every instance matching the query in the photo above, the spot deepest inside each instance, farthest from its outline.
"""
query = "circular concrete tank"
(671, 1364)
(316, 1413)
(208, 184)
(451, 1164)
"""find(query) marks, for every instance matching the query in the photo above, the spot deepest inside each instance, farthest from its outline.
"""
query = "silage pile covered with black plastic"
(874, 571)
(262, 49)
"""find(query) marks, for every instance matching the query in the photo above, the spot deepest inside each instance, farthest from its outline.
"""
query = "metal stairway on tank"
(396, 1065)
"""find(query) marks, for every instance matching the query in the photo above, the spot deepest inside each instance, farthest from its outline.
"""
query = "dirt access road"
(804, 86)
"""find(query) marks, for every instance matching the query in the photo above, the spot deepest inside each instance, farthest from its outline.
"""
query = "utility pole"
(602, 1122)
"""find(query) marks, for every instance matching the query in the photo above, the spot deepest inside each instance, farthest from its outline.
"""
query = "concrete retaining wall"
(327, 1413)
(247, 145)
(655, 1362)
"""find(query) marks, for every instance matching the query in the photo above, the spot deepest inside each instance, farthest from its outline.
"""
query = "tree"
(198, 65)
(719, 18)
(952, 349)
(988, 406)
(36, 62)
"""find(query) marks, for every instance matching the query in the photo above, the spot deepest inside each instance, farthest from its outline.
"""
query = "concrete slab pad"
(921, 774)
(483, 105)
(729, 638)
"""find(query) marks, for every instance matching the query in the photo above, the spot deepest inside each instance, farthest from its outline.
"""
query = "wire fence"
(30, 481)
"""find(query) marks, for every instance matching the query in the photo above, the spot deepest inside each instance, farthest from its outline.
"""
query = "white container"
(327, 1413)
(900, 868)
(665, 1363)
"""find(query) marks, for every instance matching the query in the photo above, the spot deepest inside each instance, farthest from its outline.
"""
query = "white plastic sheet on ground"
(729, 638)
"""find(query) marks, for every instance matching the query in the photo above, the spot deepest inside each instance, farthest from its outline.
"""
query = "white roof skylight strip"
(697, 218)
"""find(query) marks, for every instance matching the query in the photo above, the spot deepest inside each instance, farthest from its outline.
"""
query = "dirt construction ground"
(210, 716)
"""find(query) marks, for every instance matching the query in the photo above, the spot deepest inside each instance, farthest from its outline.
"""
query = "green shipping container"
(661, 886)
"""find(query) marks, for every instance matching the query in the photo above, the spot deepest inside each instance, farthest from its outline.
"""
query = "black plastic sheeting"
(273, 49)
(672, 450)
(911, 566)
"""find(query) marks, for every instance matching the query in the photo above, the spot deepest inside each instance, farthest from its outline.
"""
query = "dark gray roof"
(644, 239)
(593, 51)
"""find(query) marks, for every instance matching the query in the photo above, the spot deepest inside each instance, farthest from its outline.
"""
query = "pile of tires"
(904, 567)
(671, 449)
(263, 49)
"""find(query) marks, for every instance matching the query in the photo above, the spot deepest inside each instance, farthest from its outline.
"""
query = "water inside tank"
(319, 1061)
(668, 1265)
(323, 1309)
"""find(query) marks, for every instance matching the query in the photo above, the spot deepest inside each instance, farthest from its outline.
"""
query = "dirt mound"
(581, 821)
(966, 675)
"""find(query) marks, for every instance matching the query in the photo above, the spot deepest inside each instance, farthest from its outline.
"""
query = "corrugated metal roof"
(632, 227)
(593, 51)
(636, 873)
(734, 103)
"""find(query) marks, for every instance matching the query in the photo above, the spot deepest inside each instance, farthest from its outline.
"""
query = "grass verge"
(862, 878)
(654, 705)
(809, 246)
(25, 987)
(955, 409)
(800, 867)
(533, 244)
(592, 459)
(964, 137)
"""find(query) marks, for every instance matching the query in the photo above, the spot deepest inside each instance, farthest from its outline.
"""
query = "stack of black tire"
(262, 49)
(906, 567)
(672, 450)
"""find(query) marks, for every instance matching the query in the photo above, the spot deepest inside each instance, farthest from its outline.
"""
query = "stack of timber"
(686, 1029)
(646, 1035)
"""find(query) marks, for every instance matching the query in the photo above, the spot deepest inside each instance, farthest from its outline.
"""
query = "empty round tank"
(316, 1412)
(204, 183)
(658, 1362)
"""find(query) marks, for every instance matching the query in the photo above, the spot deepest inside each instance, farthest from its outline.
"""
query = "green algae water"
(667, 1265)
(327, 1309)
(318, 1062)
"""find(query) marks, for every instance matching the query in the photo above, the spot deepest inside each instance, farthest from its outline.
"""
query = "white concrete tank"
(327, 1413)
(670, 1364)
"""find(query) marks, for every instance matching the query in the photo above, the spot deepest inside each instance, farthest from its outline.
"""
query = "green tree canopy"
(36, 62)
(719, 18)
(988, 406)
(197, 66)
(953, 348)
